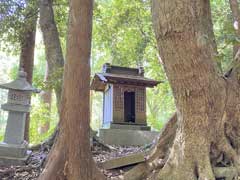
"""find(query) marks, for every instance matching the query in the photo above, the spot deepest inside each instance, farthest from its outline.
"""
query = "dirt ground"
(35, 163)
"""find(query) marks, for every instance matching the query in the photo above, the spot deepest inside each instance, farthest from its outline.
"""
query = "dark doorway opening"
(129, 107)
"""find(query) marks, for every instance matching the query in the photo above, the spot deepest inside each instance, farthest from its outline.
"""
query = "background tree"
(70, 157)
(53, 50)
(46, 96)
(27, 46)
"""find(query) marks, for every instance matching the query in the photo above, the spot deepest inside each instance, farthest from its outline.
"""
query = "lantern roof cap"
(20, 83)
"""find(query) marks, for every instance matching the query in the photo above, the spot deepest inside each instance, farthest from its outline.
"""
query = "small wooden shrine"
(124, 95)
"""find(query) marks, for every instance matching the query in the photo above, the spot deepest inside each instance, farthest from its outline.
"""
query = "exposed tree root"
(156, 159)
(229, 173)
(96, 142)
(202, 166)
(229, 152)
(56, 163)
(182, 164)
(47, 143)
(165, 139)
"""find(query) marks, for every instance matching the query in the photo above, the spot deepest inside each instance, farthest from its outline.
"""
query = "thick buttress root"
(161, 165)
(157, 157)
(200, 166)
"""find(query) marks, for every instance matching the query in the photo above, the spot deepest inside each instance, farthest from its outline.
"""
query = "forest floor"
(35, 163)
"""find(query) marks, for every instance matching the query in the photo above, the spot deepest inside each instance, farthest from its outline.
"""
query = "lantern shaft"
(14, 133)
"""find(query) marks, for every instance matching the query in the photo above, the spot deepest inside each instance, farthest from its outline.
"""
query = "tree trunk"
(71, 157)
(208, 111)
(186, 44)
(27, 42)
(53, 48)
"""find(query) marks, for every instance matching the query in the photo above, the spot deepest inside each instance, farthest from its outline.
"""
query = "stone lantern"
(13, 150)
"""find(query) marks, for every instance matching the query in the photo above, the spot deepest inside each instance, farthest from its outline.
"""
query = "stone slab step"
(123, 161)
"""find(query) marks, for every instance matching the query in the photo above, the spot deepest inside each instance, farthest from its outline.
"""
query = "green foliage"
(38, 74)
(3, 120)
(97, 110)
(15, 17)
(1, 137)
(122, 31)
(40, 115)
(123, 35)
(55, 80)
(160, 105)
(224, 32)
(13, 72)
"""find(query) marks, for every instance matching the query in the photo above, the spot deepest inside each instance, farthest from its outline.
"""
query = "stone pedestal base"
(11, 154)
(13, 161)
(130, 126)
(127, 137)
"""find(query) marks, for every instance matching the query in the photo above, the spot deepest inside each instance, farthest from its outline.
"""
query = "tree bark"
(186, 44)
(207, 133)
(71, 157)
(157, 157)
(53, 48)
(27, 44)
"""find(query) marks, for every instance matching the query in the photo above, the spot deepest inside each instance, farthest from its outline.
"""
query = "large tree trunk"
(207, 133)
(53, 48)
(186, 43)
(70, 158)
(27, 42)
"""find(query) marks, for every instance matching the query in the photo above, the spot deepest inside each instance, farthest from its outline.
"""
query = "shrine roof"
(121, 75)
